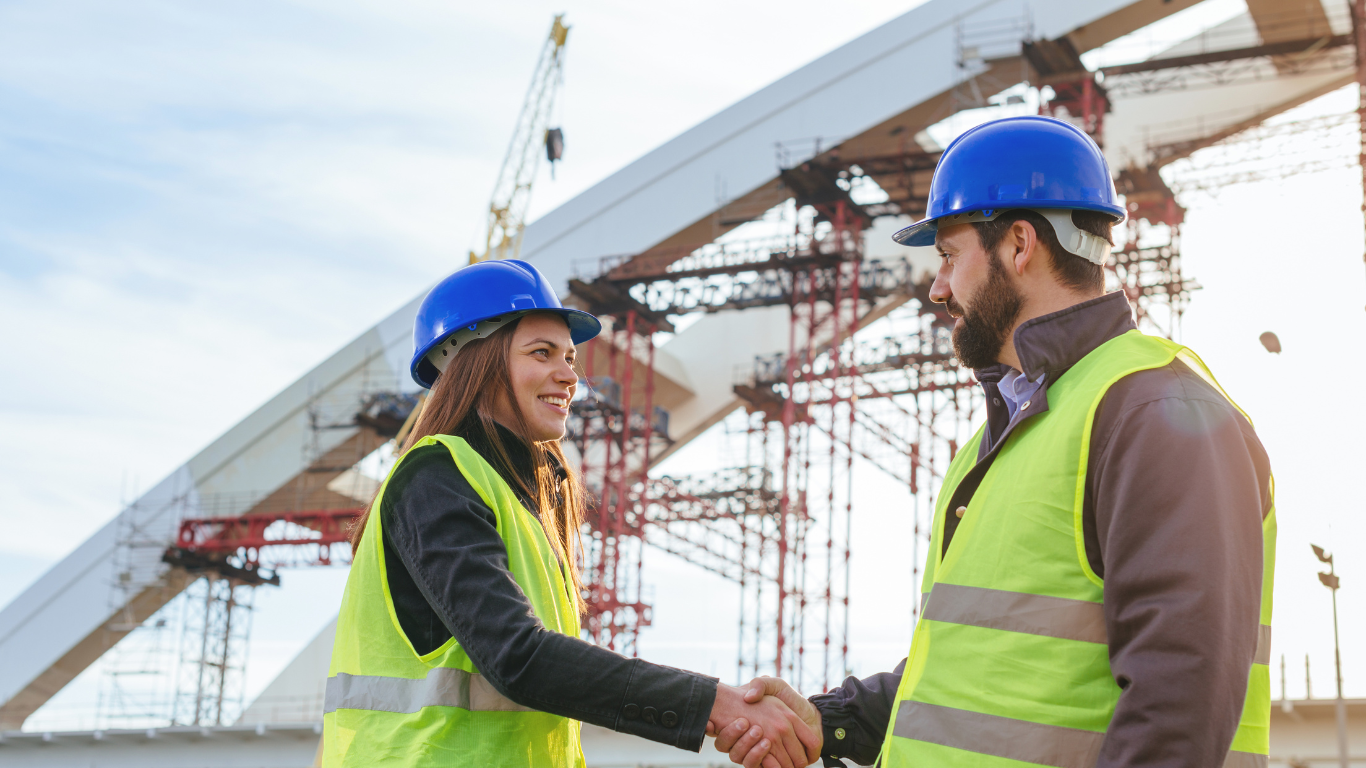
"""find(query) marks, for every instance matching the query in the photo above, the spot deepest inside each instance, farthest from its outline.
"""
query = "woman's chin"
(548, 433)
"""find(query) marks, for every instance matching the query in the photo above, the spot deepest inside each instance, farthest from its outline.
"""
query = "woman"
(458, 638)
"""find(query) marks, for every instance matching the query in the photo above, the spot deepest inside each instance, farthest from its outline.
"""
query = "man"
(1098, 587)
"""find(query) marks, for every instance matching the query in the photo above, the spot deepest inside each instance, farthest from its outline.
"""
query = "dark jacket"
(448, 575)
(1177, 485)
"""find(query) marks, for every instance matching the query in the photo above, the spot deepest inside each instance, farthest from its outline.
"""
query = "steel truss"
(616, 429)
(779, 524)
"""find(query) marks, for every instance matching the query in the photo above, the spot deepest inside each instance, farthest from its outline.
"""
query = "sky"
(199, 203)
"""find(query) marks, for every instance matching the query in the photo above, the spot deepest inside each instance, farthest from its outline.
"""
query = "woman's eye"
(544, 353)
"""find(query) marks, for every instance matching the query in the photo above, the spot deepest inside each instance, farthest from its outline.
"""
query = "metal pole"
(1331, 581)
(1337, 659)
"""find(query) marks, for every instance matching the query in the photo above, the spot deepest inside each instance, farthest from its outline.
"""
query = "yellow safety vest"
(1009, 664)
(387, 705)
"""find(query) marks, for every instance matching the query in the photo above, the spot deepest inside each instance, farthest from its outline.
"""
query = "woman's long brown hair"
(461, 403)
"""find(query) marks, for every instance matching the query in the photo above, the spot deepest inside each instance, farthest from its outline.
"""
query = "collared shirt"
(1177, 484)
(1016, 388)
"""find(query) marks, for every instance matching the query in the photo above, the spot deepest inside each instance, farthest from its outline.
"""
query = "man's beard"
(986, 327)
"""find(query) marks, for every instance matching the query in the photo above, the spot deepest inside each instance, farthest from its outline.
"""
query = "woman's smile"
(559, 402)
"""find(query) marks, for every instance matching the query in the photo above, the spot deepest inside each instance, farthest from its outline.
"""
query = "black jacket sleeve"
(449, 546)
(1179, 488)
(854, 716)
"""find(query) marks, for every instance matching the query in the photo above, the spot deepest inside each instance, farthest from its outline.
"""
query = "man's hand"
(744, 744)
(781, 739)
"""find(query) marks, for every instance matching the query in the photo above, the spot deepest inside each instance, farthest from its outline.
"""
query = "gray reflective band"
(442, 687)
(1000, 736)
(1246, 760)
(1263, 645)
(1013, 739)
(1034, 614)
(1017, 612)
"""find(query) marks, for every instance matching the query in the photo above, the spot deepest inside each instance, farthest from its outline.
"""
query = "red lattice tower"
(779, 524)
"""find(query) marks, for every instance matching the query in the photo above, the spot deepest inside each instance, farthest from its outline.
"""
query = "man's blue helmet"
(478, 300)
(1036, 163)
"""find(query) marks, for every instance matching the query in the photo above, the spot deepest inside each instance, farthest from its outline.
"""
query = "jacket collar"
(1050, 344)
(523, 463)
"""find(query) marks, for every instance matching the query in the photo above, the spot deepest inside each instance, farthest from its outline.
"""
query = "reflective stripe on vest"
(1012, 739)
(442, 687)
(1035, 614)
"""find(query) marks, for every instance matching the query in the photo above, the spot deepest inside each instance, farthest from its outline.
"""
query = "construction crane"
(512, 193)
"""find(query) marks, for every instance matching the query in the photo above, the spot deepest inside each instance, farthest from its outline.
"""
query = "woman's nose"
(568, 376)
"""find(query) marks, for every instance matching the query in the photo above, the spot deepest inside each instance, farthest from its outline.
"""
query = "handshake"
(765, 723)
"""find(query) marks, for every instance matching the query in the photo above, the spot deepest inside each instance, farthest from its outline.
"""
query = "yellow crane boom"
(512, 192)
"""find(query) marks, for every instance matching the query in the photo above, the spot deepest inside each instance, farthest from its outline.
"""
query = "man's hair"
(1072, 270)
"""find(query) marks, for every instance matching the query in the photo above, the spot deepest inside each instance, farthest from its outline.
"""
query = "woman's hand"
(768, 729)
(745, 744)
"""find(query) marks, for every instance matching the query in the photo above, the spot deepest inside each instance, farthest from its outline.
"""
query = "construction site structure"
(814, 344)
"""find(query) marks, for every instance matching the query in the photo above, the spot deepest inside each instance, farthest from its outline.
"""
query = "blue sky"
(198, 203)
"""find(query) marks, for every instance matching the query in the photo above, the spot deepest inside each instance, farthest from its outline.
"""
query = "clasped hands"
(765, 723)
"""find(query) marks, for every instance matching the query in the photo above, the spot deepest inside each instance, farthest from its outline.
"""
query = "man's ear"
(1024, 243)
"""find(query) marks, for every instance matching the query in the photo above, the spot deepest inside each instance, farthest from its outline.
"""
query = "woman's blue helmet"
(476, 301)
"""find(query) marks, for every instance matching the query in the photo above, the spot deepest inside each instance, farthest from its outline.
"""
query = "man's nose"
(939, 292)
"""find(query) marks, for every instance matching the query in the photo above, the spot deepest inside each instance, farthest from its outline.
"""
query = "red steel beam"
(229, 534)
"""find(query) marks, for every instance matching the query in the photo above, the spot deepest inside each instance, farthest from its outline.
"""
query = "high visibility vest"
(1009, 664)
(385, 704)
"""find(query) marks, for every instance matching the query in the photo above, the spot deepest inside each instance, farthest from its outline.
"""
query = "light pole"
(1330, 580)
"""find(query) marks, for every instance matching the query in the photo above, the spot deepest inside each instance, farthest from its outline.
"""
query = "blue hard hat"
(487, 291)
(1016, 162)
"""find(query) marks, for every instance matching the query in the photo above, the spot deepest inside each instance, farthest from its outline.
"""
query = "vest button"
(669, 719)
(630, 711)
(648, 715)
(839, 733)
(961, 511)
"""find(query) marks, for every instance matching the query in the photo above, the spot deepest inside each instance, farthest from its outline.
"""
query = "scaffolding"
(617, 429)
(778, 524)
(213, 651)
(138, 674)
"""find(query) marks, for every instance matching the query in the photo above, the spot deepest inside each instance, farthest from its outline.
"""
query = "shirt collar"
(1015, 388)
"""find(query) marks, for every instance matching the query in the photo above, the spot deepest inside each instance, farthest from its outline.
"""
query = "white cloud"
(198, 203)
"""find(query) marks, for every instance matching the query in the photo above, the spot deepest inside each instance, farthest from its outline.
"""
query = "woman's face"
(540, 364)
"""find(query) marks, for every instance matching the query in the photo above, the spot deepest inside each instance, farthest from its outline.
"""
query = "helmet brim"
(919, 234)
